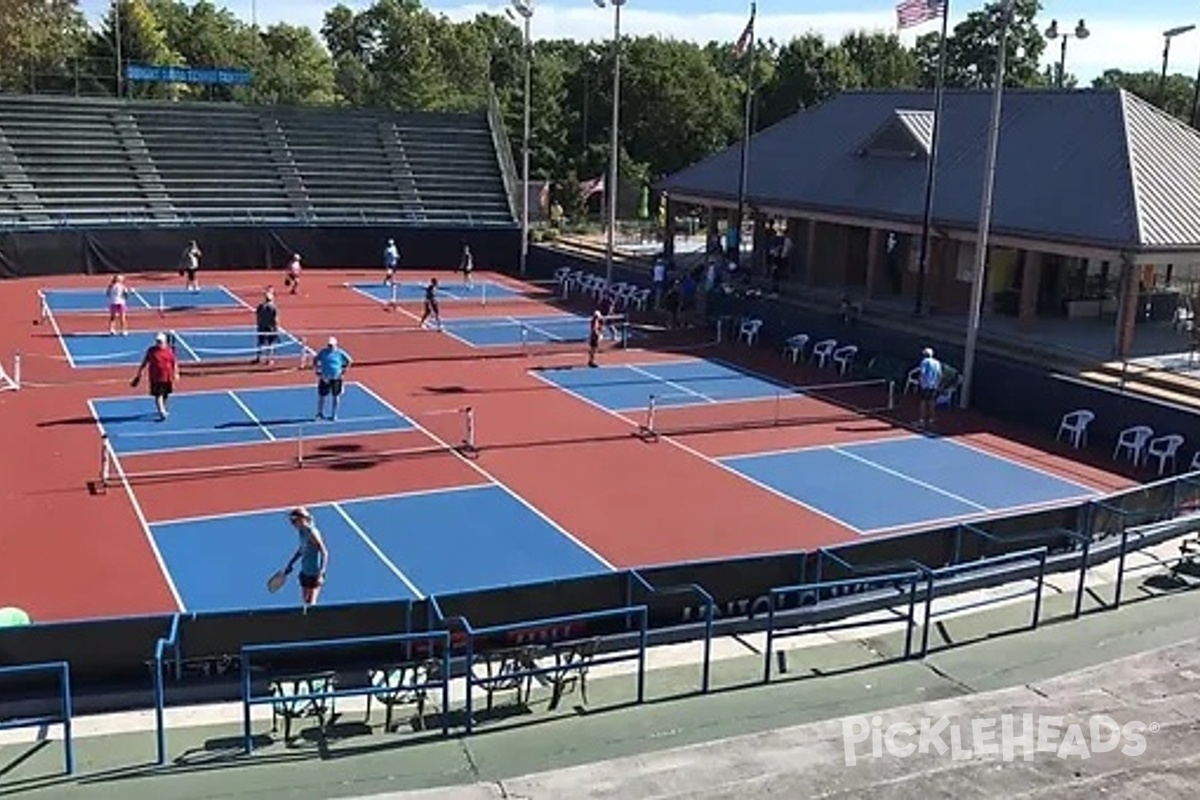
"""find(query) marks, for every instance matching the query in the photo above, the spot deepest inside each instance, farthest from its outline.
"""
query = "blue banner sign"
(224, 77)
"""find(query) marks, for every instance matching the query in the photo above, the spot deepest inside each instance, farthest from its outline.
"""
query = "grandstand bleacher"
(90, 163)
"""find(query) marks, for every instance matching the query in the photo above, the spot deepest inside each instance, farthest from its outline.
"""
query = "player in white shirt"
(118, 300)
(292, 278)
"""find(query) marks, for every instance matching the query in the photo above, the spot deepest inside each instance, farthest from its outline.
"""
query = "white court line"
(284, 509)
(783, 451)
(61, 341)
(672, 384)
(386, 303)
(910, 479)
(697, 454)
(234, 296)
(498, 484)
(524, 324)
(967, 519)
(141, 518)
(141, 298)
(1092, 490)
(183, 343)
(374, 548)
(253, 417)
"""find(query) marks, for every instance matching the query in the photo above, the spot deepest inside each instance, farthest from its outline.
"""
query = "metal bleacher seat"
(91, 162)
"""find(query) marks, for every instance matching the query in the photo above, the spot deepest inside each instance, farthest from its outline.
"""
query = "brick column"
(874, 259)
(1031, 277)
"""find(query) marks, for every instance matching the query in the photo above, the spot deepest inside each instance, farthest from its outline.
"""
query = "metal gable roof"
(1165, 155)
(1074, 166)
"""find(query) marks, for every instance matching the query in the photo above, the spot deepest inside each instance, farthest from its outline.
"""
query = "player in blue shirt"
(391, 262)
(312, 554)
(330, 364)
(929, 380)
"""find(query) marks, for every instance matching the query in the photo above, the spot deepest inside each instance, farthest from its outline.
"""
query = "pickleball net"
(149, 456)
(680, 414)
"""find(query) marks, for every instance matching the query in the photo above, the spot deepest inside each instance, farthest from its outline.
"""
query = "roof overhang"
(1094, 251)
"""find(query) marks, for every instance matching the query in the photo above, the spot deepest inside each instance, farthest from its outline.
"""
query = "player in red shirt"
(163, 370)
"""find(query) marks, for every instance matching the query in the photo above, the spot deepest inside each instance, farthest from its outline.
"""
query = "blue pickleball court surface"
(690, 382)
(240, 417)
(904, 482)
(512, 331)
(387, 548)
(448, 291)
(141, 298)
(191, 346)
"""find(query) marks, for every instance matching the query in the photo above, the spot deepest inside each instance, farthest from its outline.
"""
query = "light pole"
(525, 9)
(978, 279)
(610, 188)
(117, 45)
(1052, 33)
(1162, 78)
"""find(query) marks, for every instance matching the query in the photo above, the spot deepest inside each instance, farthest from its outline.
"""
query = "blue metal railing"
(635, 580)
(1081, 540)
(1038, 555)
(905, 583)
(633, 615)
(171, 640)
(434, 641)
(63, 670)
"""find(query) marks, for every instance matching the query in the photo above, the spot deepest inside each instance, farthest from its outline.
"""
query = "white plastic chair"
(843, 357)
(913, 381)
(793, 348)
(748, 333)
(1163, 449)
(1133, 440)
(1195, 467)
(823, 350)
(1074, 426)
(639, 298)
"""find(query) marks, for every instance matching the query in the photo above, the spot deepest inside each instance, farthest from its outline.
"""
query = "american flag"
(743, 42)
(910, 13)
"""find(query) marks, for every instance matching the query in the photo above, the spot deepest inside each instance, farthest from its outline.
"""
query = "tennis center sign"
(143, 73)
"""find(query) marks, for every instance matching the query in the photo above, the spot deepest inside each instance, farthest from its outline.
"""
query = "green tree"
(1174, 96)
(881, 60)
(143, 41)
(41, 41)
(972, 48)
(295, 69)
(808, 71)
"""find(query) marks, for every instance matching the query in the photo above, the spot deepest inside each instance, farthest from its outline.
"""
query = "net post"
(162, 303)
(44, 311)
(393, 296)
(105, 461)
(469, 412)
(299, 446)
(16, 374)
(303, 354)
(891, 389)
(524, 335)
(483, 292)
(720, 329)
(778, 408)
(625, 333)
(651, 407)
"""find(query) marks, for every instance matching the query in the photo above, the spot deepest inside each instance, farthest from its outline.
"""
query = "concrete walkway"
(1054, 752)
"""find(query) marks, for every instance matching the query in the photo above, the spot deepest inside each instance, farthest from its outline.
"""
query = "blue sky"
(1124, 34)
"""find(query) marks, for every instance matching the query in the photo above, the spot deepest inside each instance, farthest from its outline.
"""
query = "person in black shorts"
(431, 305)
(594, 329)
(190, 265)
(266, 323)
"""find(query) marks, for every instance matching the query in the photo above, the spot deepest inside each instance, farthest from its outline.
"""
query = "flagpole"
(939, 92)
(743, 177)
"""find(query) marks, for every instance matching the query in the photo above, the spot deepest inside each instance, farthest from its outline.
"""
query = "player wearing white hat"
(331, 363)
